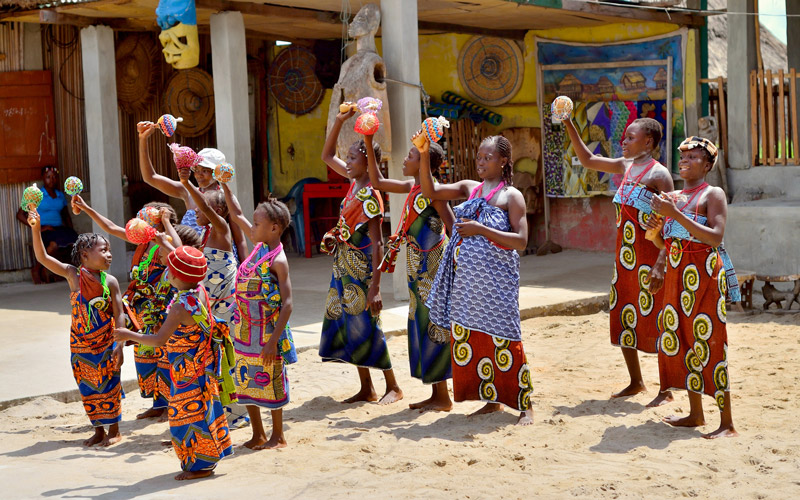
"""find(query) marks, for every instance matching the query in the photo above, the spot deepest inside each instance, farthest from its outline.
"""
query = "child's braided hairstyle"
(188, 236)
(503, 147)
(85, 242)
(376, 148)
(277, 211)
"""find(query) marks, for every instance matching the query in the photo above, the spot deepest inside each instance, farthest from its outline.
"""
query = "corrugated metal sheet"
(11, 43)
(15, 239)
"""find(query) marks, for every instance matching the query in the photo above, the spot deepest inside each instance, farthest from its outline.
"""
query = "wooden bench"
(746, 280)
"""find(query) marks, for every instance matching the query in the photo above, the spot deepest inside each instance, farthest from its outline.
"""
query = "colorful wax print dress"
(197, 420)
(145, 314)
(425, 237)
(693, 347)
(258, 299)
(476, 293)
(349, 332)
(633, 310)
(91, 345)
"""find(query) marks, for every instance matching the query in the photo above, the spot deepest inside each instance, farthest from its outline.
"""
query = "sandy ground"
(581, 445)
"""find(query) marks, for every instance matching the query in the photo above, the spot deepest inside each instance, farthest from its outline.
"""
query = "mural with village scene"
(607, 97)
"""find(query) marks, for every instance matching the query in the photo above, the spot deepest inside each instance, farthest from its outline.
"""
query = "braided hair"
(173, 217)
(276, 211)
(376, 148)
(502, 146)
(188, 236)
(85, 242)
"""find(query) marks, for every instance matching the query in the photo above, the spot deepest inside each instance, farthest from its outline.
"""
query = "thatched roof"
(773, 51)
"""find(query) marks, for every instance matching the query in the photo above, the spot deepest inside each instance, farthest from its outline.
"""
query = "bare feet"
(391, 396)
(422, 404)
(526, 417)
(690, 421)
(662, 399)
(112, 437)
(633, 388)
(255, 442)
(166, 443)
(151, 413)
(99, 436)
(362, 395)
(273, 443)
(722, 432)
(164, 417)
(188, 475)
(488, 408)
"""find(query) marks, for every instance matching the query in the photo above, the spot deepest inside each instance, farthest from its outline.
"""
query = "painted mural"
(610, 90)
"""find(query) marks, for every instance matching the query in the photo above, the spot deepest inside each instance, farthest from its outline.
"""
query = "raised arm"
(164, 184)
(235, 211)
(169, 230)
(281, 269)
(437, 191)
(589, 159)
(53, 265)
(215, 219)
(104, 222)
(377, 179)
(329, 149)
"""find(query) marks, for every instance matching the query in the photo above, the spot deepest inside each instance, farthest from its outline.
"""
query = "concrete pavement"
(35, 320)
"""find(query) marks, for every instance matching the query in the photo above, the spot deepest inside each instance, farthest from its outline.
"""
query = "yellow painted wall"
(438, 73)
(306, 133)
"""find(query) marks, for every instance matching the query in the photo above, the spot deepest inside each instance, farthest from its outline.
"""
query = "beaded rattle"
(138, 231)
(151, 215)
(168, 124)
(31, 198)
(184, 156)
(224, 172)
(347, 106)
(561, 108)
(368, 123)
(433, 129)
(73, 187)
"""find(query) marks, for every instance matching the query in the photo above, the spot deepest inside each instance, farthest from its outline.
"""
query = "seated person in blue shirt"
(56, 224)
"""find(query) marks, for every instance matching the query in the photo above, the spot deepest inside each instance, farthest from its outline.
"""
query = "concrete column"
(229, 63)
(741, 59)
(401, 56)
(102, 133)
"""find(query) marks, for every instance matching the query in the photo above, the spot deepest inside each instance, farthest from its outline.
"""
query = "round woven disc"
(490, 69)
(138, 71)
(293, 82)
(190, 95)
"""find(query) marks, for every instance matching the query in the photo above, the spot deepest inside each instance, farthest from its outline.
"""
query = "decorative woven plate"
(138, 71)
(293, 82)
(190, 95)
(490, 69)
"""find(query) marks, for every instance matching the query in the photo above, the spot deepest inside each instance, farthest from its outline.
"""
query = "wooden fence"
(773, 117)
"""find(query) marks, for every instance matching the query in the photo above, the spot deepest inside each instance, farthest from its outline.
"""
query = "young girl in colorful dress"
(476, 291)
(193, 341)
(96, 308)
(351, 330)
(693, 347)
(638, 266)
(203, 174)
(423, 227)
(262, 338)
(146, 272)
(217, 247)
